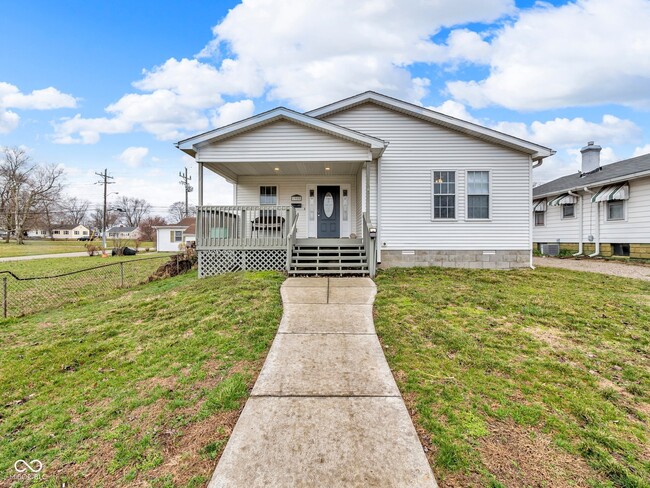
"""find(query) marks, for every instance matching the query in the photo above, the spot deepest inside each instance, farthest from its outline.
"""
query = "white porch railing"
(245, 227)
(370, 245)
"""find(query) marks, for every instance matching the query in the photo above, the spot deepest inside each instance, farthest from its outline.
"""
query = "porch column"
(368, 165)
(200, 184)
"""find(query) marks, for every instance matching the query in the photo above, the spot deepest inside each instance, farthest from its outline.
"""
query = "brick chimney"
(590, 157)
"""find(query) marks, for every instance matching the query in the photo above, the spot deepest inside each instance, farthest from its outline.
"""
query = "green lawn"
(523, 378)
(45, 246)
(142, 388)
(103, 276)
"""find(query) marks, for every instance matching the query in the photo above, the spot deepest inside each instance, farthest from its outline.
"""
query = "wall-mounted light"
(276, 169)
(327, 168)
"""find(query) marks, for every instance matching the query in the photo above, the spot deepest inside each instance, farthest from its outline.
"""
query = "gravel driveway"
(597, 266)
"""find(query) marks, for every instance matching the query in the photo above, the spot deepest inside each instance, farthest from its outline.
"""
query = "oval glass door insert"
(328, 204)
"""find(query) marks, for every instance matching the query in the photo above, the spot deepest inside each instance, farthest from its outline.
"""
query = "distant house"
(73, 231)
(171, 237)
(38, 233)
(600, 210)
(122, 232)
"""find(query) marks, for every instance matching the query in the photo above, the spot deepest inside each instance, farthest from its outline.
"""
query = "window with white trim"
(176, 236)
(478, 194)
(568, 211)
(540, 218)
(268, 195)
(444, 195)
(616, 210)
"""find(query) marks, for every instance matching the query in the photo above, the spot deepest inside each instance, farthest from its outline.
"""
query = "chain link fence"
(28, 295)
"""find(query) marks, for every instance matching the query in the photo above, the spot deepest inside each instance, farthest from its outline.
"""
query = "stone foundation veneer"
(457, 259)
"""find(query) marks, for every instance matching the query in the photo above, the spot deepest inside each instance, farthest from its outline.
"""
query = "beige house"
(70, 231)
(365, 181)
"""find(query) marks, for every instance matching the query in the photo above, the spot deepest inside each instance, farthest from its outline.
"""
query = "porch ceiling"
(231, 171)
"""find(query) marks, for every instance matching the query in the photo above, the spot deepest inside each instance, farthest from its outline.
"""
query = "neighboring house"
(599, 210)
(122, 232)
(70, 231)
(369, 179)
(37, 233)
(171, 237)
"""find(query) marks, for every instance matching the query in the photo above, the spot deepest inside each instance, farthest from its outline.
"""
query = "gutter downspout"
(536, 164)
(580, 226)
(597, 248)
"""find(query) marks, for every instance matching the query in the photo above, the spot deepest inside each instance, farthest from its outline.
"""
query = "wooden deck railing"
(245, 227)
(370, 245)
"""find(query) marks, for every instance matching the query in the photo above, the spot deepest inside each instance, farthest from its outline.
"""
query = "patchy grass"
(523, 378)
(45, 246)
(140, 389)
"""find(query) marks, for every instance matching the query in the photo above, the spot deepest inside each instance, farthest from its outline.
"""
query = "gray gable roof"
(121, 229)
(626, 169)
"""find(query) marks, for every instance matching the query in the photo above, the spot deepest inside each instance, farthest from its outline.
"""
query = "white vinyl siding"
(416, 147)
(248, 193)
(635, 228)
(283, 141)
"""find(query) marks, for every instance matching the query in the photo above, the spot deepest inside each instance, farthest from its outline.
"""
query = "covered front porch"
(302, 187)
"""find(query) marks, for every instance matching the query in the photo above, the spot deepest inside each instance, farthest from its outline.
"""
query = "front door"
(328, 211)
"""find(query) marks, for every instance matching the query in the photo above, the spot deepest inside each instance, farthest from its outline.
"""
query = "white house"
(73, 231)
(123, 232)
(37, 233)
(172, 237)
(600, 210)
(364, 181)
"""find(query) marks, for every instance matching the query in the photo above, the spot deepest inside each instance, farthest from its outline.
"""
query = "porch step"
(329, 256)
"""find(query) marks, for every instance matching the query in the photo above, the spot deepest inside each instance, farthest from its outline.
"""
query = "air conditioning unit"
(551, 249)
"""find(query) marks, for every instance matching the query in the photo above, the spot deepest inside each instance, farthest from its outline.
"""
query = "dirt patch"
(169, 383)
(552, 338)
(519, 456)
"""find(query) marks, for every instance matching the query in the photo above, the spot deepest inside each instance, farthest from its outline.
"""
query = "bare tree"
(27, 185)
(96, 218)
(133, 210)
(49, 213)
(177, 211)
(74, 211)
(147, 224)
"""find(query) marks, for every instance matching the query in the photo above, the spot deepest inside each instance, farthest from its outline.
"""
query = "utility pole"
(185, 179)
(104, 176)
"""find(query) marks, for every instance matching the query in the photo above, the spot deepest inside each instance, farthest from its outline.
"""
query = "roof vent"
(590, 158)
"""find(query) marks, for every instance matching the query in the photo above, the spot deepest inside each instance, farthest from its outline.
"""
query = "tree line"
(32, 196)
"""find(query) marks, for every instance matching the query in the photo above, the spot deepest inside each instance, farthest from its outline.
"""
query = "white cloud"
(583, 53)
(8, 121)
(284, 43)
(133, 156)
(563, 132)
(455, 109)
(640, 151)
(282, 49)
(12, 98)
(232, 112)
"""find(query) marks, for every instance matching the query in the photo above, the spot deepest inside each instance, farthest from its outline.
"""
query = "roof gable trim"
(535, 150)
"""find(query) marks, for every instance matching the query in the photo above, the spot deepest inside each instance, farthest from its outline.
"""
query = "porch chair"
(268, 223)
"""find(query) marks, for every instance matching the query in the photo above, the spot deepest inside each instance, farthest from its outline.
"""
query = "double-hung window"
(539, 218)
(478, 194)
(616, 210)
(268, 196)
(176, 236)
(444, 195)
(568, 211)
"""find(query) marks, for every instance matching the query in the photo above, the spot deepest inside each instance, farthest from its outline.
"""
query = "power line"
(104, 176)
(185, 179)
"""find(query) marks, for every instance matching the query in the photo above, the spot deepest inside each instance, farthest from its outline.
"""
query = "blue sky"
(93, 85)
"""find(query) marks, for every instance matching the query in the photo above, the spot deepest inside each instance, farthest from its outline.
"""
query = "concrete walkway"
(325, 410)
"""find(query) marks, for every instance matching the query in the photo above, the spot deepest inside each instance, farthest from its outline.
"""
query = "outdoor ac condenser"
(551, 249)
